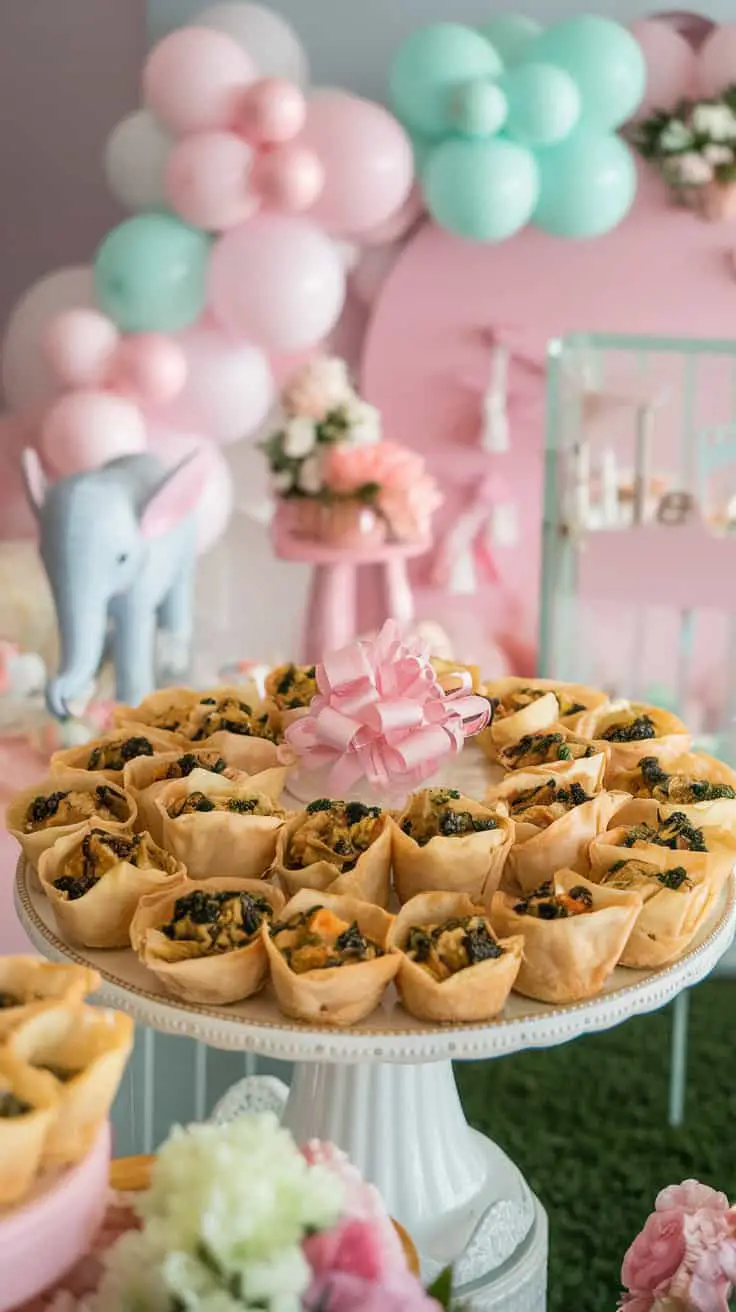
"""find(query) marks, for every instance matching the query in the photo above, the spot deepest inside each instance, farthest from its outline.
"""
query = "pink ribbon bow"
(381, 715)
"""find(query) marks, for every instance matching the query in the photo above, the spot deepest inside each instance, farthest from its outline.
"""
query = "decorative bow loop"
(381, 715)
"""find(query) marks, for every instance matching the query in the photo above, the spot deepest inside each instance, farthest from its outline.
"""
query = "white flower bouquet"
(329, 465)
(238, 1217)
(694, 148)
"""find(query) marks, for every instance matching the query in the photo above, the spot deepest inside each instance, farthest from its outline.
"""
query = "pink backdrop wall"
(68, 71)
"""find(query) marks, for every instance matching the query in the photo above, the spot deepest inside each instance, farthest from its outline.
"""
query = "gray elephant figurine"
(118, 544)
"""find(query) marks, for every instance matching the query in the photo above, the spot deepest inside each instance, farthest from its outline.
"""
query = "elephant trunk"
(82, 631)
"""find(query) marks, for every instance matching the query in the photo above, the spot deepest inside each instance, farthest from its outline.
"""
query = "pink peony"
(655, 1254)
(689, 1197)
(319, 386)
(409, 510)
(343, 1292)
(349, 467)
(708, 1268)
(360, 1202)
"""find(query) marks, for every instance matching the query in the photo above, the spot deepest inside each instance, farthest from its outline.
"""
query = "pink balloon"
(694, 27)
(372, 270)
(400, 223)
(277, 281)
(85, 429)
(229, 388)
(194, 79)
(149, 368)
(271, 112)
(218, 495)
(207, 180)
(27, 378)
(367, 157)
(717, 61)
(17, 520)
(671, 65)
(79, 346)
(289, 177)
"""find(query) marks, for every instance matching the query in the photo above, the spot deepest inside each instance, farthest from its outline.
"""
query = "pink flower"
(408, 511)
(343, 1292)
(319, 386)
(360, 1202)
(637, 1303)
(655, 1254)
(349, 467)
(689, 1197)
(705, 1276)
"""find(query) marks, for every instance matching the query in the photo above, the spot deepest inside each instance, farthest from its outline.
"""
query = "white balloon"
(27, 377)
(229, 388)
(266, 36)
(136, 155)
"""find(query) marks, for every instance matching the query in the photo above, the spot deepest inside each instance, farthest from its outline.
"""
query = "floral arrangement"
(238, 1217)
(694, 144)
(327, 452)
(684, 1260)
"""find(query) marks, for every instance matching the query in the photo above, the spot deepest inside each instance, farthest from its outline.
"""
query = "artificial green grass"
(587, 1125)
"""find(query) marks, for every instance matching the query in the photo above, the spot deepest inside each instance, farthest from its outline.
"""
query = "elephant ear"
(176, 497)
(34, 478)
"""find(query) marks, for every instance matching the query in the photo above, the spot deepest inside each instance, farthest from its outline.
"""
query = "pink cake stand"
(370, 581)
(47, 1235)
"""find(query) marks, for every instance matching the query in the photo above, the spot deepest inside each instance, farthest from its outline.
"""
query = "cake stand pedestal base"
(457, 1194)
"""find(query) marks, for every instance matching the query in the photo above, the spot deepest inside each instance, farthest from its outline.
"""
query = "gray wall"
(350, 42)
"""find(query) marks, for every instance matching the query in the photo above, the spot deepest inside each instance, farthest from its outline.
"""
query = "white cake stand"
(385, 1092)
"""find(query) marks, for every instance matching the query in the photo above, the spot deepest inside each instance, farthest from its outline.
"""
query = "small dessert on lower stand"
(394, 807)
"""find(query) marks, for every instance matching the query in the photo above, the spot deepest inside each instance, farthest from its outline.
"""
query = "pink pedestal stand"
(352, 589)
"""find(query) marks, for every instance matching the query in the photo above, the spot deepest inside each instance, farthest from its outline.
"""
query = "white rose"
(714, 121)
(365, 424)
(310, 476)
(282, 482)
(675, 136)
(691, 170)
(300, 437)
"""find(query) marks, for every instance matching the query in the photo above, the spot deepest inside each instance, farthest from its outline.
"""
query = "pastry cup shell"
(669, 918)
(75, 758)
(42, 982)
(475, 994)
(23, 1138)
(215, 980)
(340, 995)
(538, 715)
(217, 844)
(368, 881)
(139, 779)
(463, 863)
(96, 1043)
(101, 917)
(672, 741)
(33, 844)
(716, 864)
(569, 959)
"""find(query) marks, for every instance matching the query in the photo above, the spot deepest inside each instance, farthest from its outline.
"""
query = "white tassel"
(504, 525)
(463, 580)
(495, 429)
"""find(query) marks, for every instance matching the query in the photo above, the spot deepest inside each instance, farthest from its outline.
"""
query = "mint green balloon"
(587, 184)
(603, 59)
(428, 69)
(511, 34)
(543, 104)
(484, 189)
(150, 274)
(479, 108)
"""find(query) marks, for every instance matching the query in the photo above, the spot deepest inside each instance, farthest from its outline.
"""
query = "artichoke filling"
(204, 924)
(433, 813)
(451, 946)
(334, 831)
(318, 939)
(545, 904)
(637, 874)
(53, 810)
(630, 729)
(182, 768)
(682, 789)
(547, 802)
(99, 853)
(514, 701)
(8, 1000)
(293, 686)
(251, 804)
(114, 755)
(228, 714)
(676, 832)
(543, 749)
